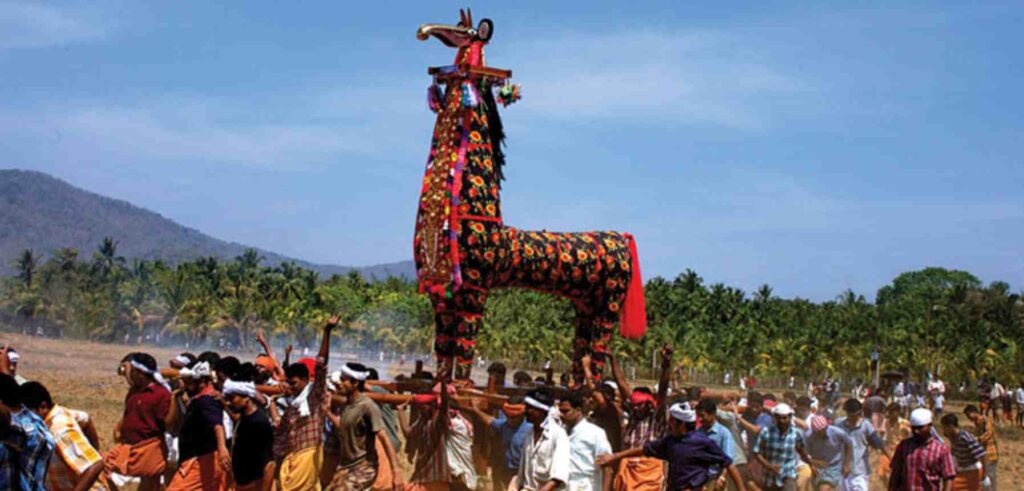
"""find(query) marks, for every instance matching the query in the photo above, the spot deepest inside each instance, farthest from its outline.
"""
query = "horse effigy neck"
(463, 174)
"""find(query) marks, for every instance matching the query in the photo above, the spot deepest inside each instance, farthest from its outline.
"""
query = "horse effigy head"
(460, 35)
(468, 40)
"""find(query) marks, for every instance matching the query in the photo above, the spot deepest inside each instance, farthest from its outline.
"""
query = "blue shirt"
(861, 436)
(723, 438)
(689, 458)
(37, 446)
(827, 446)
(512, 439)
(6, 466)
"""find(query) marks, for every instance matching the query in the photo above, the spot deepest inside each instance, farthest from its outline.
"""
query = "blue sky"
(811, 147)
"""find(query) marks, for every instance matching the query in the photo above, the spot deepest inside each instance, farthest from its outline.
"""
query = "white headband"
(140, 367)
(536, 404)
(353, 374)
(13, 356)
(201, 369)
(182, 359)
(247, 389)
(152, 373)
(334, 380)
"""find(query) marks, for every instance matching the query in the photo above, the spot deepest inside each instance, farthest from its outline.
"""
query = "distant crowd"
(215, 423)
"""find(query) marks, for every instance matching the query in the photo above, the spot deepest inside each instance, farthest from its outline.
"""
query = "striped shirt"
(639, 430)
(921, 466)
(967, 452)
(74, 453)
(987, 437)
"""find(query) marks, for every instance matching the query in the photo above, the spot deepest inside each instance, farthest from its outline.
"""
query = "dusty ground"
(83, 375)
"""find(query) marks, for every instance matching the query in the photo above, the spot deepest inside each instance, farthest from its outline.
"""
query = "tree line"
(934, 319)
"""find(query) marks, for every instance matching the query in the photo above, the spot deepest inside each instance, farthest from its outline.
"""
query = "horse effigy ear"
(462, 18)
(485, 30)
(469, 17)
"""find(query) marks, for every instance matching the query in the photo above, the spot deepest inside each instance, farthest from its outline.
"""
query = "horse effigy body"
(462, 247)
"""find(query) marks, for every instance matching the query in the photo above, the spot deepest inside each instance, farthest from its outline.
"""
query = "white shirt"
(545, 459)
(997, 391)
(459, 450)
(1020, 395)
(586, 442)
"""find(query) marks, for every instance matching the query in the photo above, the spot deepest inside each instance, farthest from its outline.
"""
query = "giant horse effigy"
(462, 247)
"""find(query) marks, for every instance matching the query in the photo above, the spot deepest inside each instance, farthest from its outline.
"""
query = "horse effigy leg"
(458, 320)
(593, 333)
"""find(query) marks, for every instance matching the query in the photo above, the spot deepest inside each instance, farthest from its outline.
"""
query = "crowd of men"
(215, 423)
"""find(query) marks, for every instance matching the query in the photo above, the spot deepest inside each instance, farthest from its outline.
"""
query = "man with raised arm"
(511, 428)
(606, 414)
(300, 429)
(647, 422)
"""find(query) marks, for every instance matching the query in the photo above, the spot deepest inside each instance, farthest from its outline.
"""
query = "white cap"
(782, 409)
(920, 417)
(611, 384)
(681, 412)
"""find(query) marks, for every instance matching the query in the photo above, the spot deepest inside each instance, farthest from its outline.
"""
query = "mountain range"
(43, 213)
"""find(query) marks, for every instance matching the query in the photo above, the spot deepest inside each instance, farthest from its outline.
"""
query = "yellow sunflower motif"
(581, 255)
(474, 136)
(614, 306)
(477, 181)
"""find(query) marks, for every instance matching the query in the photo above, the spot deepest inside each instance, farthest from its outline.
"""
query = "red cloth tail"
(633, 320)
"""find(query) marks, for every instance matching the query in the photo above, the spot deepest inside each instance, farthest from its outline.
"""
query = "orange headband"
(513, 410)
(265, 362)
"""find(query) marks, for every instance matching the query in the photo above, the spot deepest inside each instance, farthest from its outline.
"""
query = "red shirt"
(144, 412)
(920, 466)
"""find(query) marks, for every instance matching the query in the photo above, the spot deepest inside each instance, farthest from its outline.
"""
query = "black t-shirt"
(254, 447)
(197, 433)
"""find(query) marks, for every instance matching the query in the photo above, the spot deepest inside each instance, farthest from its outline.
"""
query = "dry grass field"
(83, 375)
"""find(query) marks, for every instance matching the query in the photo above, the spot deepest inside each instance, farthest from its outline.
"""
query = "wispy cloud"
(34, 25)
(702, 77)
(197, 129)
